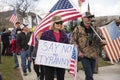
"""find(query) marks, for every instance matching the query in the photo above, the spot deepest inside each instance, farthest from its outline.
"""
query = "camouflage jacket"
(84, 38)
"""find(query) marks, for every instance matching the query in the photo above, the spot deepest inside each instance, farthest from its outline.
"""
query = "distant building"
(4, 19)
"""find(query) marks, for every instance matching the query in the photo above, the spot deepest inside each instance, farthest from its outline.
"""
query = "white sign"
(54, 54)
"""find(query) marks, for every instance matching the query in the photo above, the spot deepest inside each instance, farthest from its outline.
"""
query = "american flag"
(13, 17)
(112, 36)
(73, 64)
(63, 8)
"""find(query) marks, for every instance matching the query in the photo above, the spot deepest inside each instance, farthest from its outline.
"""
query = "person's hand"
(29, 58)
(103, 42)
(80, 54)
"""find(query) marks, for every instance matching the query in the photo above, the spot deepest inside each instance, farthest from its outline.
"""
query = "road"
(111, 72)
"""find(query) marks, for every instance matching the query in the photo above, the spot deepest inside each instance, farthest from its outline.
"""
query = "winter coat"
(84, 39)
(49, 36)
(22, 40)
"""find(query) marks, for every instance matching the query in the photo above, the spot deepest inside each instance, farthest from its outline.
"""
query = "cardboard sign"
(54, 54)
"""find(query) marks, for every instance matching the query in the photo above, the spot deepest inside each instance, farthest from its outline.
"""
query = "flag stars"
(64, 4)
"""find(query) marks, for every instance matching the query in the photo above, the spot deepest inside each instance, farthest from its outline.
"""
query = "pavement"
(111, 72)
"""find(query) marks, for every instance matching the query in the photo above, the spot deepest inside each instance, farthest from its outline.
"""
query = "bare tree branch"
(22, 6)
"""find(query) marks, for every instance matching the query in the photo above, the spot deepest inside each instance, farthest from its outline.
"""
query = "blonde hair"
(52, 27)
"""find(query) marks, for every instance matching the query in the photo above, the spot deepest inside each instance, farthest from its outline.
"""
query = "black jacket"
(5, 38)
(22, 40)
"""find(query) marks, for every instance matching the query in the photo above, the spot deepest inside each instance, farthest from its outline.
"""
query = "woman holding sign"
(55, 34)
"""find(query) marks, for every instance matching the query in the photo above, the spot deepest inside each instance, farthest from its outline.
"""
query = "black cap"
(87, 14)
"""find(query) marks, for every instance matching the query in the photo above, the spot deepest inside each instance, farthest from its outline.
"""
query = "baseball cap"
(87, 14)
(22, 26)
(56, 19)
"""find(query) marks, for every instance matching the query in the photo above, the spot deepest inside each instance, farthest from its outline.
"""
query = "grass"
(7, 71)
(102, 63)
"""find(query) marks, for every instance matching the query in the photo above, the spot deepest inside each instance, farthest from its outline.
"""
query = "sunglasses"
(59, 22)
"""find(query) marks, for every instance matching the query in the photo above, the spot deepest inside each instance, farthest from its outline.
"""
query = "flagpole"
(80, 5)
(96, 32)
(80, 11)
(16, 14)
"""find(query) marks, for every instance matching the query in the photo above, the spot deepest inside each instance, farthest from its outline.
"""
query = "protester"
(16, 28)
(83, 37)
(15, 50)
(22, 43)
(39, 69)
(5, 41)
(55, 34)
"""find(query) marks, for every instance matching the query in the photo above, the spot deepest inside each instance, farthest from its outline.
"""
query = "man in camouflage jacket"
(83, 37)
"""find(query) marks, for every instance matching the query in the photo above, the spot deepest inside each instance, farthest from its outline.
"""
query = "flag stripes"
(118, 42)
(66, 14)
(112, 48)
(109, 45)
(13, 17)
(73, 62)
(116, 47)
(72, 67)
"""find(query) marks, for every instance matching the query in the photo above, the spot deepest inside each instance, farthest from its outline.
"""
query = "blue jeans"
(24, 56)
(15, 59)
(88, 65)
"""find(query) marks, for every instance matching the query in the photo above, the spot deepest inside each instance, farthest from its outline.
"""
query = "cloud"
(103, 8)
(117, 8)
(97, 7)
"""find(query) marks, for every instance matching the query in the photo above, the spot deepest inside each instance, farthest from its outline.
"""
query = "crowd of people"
(82, 35)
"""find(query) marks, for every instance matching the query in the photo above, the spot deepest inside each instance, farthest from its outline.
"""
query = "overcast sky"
(97, 7)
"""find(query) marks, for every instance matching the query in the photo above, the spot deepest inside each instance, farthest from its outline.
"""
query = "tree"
(23, 7)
